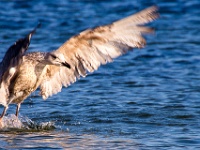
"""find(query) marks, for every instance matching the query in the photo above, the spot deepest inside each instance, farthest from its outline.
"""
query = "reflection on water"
(49, 140)
(24, 133)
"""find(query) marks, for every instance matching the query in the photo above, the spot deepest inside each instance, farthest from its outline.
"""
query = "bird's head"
(56, 58)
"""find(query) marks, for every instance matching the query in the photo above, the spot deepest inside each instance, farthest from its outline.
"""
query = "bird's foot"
(1, 123)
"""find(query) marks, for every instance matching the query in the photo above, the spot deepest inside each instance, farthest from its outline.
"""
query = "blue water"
(147, 99)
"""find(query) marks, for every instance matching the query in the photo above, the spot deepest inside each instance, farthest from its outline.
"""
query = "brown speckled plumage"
(83, 53)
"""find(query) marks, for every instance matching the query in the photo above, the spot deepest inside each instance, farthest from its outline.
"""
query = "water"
(147, 99)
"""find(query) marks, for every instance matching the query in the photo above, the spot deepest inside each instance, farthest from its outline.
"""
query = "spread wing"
(13, 56)
(10, 62)
(93, 47)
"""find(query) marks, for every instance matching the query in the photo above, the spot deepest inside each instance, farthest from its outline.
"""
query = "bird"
(21, 72)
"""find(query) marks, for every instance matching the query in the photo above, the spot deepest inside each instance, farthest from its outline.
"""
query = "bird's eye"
(53, 56)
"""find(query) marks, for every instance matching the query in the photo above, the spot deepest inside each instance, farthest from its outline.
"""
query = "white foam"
(24, 123)
(11, 121)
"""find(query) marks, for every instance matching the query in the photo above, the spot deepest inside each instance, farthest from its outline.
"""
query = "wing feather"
(91, 48)
(13, 56)
(10, 63)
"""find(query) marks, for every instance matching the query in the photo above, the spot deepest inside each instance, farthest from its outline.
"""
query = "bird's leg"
(17, 110)
(3, 113)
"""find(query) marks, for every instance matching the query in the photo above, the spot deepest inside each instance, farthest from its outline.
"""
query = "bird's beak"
(66, 64)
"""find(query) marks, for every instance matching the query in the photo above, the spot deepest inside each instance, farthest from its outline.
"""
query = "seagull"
(21, 73)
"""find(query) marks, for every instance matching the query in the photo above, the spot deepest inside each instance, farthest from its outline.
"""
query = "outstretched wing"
(93, 47)
(13, 56)
(10, 62)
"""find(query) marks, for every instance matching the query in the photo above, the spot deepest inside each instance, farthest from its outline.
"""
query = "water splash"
(11, 122)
